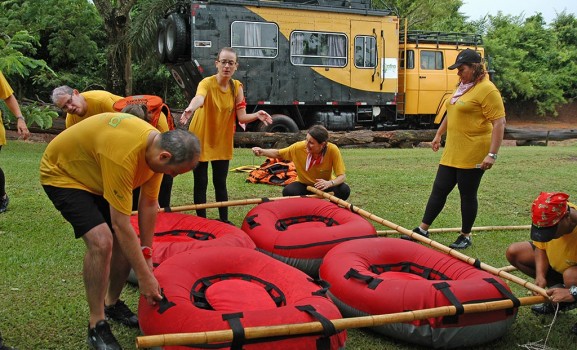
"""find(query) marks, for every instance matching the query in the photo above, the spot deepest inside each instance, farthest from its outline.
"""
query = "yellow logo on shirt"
(115, 121)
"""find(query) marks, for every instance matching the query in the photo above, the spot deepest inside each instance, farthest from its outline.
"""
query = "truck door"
(374, 64)
(432, 79)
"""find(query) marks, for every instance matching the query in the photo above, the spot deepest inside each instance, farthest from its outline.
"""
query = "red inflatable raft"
(388, 275)
(235, 288)
(300, 231)
(176, 232)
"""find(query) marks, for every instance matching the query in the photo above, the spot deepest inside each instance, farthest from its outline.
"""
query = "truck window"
(318, 49)
(410, 59)
(365, 52)
(432, 60)
(254, 39)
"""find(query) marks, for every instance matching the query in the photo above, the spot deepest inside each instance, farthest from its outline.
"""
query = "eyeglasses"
(227, 62)
(66, 106)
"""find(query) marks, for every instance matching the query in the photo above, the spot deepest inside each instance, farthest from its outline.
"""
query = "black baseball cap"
(466, 56)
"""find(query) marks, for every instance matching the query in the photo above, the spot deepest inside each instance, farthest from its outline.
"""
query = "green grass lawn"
(43, 304)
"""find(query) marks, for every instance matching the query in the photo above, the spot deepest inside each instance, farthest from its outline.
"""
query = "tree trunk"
(116, 18)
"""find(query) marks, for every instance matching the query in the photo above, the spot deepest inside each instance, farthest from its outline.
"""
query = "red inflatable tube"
(389, 275)
(176, 232)
(234, 288)
(300, 231)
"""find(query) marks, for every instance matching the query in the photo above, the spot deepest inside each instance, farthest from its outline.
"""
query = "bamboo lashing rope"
(458, 229)
(443, 248)
(316, 327)
(225, 204)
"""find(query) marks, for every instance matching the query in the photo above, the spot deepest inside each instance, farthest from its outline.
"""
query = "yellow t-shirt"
(104, 155)
(332, 162)
(562, 251)
(5, 92)
(469, 126)
(214, 122)
(99, 101)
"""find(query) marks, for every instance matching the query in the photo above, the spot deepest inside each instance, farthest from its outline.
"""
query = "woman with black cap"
(475, 125)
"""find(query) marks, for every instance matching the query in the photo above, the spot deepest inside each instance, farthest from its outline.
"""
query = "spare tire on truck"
(161, 41)
(176, 41)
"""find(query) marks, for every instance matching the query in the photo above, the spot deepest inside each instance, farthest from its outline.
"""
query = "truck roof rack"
(451, 38)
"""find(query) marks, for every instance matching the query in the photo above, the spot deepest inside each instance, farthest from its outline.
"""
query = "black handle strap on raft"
(506, 293)
(164, 304)
(194, 234)
(167, 209)
(265, 199)
(409, 267)
(238, 336)
(323, 284)
(283, 224)
(324, 342)
(477, 263)
(250, 220)
(444, 287)
(371, 281)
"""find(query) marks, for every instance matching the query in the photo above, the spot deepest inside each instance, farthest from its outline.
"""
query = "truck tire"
(161, 41)
(175, 39)
(280, 123)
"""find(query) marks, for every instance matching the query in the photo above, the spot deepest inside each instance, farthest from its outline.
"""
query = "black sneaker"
(121, 313)
(549, 308)
(101, 338)
(462, 242)
(4, 347)
(4, 204)
(416, 230)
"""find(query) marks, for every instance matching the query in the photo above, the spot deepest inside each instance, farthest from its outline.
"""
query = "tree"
(116, 18)
(12, 62)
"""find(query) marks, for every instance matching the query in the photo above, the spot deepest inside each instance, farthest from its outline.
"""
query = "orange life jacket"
(274, 171)
(154, 104)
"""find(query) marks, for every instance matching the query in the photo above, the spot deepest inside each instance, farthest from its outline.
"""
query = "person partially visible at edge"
(316, 160)
(219, 102)
(82, 105)
(551, 255)
(475, 125)
(89, 176)
(7, 95)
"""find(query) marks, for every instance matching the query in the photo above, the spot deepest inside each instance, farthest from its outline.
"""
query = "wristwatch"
(573, 292)
(492, 155)
(147, 252)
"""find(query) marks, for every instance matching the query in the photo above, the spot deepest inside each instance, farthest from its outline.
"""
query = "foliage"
(13, 61)
(41, 279)
(530, 62)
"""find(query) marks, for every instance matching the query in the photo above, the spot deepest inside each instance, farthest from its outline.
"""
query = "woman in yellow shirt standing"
(7, 95)
(475, 125)
(218, 103)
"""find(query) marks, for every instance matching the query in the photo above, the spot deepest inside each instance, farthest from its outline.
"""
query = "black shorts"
(82, 209)
(553, 277)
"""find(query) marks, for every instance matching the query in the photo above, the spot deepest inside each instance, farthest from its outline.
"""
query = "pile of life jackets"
(274, 171)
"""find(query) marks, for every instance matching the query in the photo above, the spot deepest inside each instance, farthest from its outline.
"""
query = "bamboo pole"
(458, 229)
(316, 327)
(224, 204)
(443, 248)
(508, 268)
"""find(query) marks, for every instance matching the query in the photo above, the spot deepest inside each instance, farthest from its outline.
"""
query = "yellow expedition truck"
(339, 63)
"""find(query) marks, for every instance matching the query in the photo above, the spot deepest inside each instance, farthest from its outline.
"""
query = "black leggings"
(296, 188)
(467, 180)
(164, 193)
(219, 174)
(2, 182)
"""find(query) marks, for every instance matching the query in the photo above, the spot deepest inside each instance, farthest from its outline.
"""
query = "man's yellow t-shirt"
(104, 155)
(98, 101)
(469, 126)
(562, 251)
(213, 123)
(5, 92)
(332, 162)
